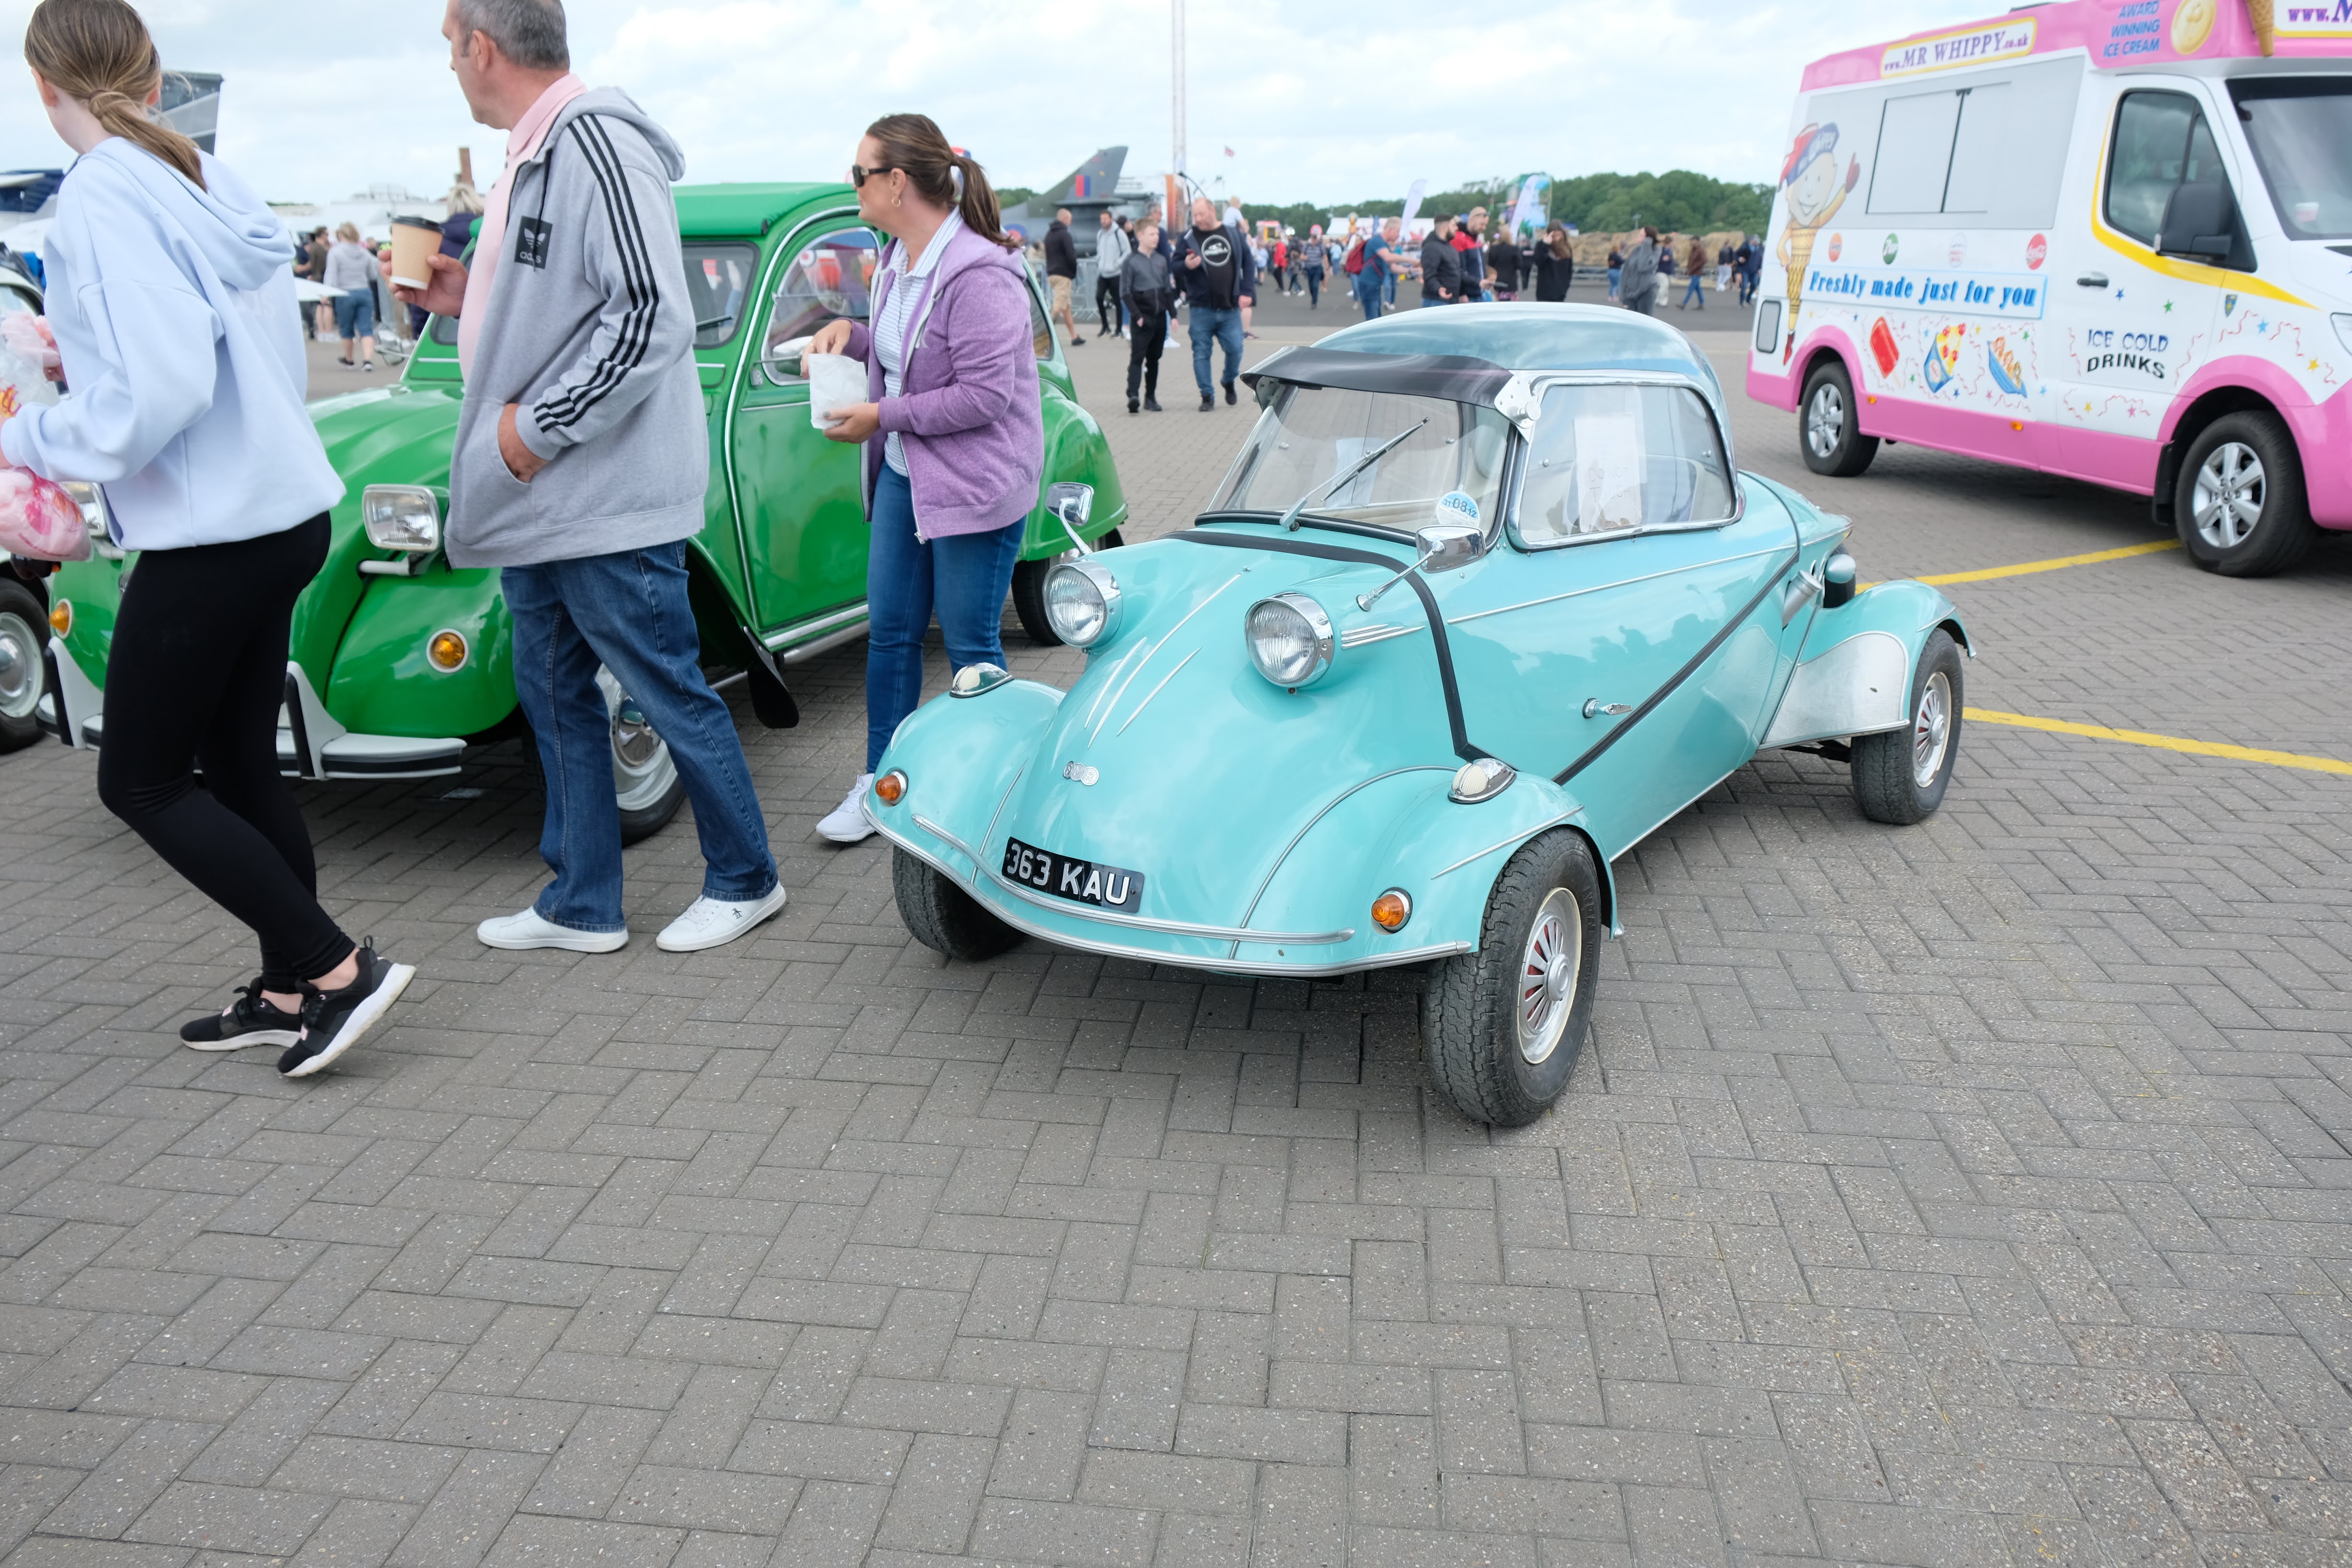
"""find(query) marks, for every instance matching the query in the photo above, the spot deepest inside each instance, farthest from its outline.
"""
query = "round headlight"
(1289, 639)
(1081, 602)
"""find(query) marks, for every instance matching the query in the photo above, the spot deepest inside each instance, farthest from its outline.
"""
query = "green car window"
(718, 277)
(1307, 436)
(1615, 460)
(831, 279)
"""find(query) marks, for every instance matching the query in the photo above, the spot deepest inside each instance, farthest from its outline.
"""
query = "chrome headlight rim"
(1320, 642)
(1104, 585)
(406, 518)
(92, 502)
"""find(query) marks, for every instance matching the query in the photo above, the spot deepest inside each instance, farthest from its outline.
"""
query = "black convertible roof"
(1456, 377)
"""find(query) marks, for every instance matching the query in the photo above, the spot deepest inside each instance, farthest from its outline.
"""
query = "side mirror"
(2200, 220)
(1450, 546)
(1070, 504)
(782, 362)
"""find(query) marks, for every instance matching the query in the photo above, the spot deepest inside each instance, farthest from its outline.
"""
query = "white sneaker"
(715, 922)
(523, 933)
(848, 823)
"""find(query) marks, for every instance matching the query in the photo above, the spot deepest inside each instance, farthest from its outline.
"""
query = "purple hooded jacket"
(968, 414)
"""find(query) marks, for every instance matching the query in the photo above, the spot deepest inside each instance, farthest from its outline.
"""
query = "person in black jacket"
(1503, 266)
(1148, 292)
(1441, 266)
(1212, 261)
(1062, 271)
(1555, 264)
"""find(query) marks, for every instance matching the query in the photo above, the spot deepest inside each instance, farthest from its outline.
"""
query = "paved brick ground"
(1970, 1194)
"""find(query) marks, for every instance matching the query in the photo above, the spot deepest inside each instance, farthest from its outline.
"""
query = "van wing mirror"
(2200, 220)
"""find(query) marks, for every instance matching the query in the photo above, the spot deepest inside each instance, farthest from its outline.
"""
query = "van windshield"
(2301, 131)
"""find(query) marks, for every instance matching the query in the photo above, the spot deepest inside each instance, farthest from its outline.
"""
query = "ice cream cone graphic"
(2265, 25)
(1810, 177)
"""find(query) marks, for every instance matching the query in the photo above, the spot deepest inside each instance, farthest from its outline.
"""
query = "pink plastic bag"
(37, 519)
(28, 337)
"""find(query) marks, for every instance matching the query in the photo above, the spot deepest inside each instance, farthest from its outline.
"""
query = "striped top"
(892, 324)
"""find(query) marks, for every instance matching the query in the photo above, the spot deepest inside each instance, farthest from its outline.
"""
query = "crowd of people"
(359, 272)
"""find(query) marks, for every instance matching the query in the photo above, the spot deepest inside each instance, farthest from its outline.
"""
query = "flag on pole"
(1229, 152)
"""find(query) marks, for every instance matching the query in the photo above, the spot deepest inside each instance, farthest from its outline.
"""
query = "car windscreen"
(1614, 459)
(1309, 435)
(2301, 131)
(717, 277)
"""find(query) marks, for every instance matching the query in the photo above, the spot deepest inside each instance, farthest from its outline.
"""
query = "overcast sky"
(1319, 102)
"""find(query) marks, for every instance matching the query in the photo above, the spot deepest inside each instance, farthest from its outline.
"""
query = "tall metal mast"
(1176, 73)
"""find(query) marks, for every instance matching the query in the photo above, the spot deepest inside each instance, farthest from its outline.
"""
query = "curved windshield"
(1310, 436)
(1611, 460)
(2301, 131)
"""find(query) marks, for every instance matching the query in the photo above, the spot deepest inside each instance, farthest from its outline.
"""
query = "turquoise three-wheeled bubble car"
(1482, 602)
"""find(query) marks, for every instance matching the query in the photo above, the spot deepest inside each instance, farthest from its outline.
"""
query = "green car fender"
(1076, 450)
(383, 682)
(1854, 673)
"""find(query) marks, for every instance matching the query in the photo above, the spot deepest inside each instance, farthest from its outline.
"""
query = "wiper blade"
(1290, 518)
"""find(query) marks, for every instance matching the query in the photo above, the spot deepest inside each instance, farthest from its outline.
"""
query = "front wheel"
(645, 781)
(1029, 591)
(1506, 1023)
(942, 916)
(1827, 428)
(2241, 505)
(1900, 776)
(24, 637)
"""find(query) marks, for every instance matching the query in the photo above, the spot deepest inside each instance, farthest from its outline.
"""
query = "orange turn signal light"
(1391, 909)
(61, 616)
(890, 788)
(446, 651)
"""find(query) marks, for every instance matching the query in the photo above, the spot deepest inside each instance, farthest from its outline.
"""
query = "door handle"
(1594, 708)
(2092, 280)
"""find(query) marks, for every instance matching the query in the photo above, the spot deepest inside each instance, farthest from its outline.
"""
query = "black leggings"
(195, 679)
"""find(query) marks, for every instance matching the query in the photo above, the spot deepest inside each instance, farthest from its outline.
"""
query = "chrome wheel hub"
(2227, 503)
(643, 769)
(1931, 730)
(1547, 977)
(20, 666)
(1825, 419)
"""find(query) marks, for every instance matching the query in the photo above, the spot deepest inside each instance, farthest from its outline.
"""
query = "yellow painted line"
(2025, 568)
(2161, 743)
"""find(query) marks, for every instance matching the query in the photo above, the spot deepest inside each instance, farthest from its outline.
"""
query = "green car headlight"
(402, 517)
(92, 502)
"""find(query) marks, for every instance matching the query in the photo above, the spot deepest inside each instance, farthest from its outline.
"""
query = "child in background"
(1148, 293)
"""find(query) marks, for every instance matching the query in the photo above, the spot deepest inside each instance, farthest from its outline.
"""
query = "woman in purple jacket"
(953, 435)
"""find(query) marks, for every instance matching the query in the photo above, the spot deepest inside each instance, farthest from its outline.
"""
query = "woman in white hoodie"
(172, 298)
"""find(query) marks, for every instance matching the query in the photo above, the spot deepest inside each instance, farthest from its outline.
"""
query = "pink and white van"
(2106, 238)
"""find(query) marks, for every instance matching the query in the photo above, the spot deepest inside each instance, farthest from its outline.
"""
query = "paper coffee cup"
(414, 240)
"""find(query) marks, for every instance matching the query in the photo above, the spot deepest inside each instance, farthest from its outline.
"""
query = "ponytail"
(914, 144)
(98, 52)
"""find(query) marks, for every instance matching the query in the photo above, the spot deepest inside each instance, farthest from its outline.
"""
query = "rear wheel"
(1029, 591)
(1900, 776)
(2241, 505)
(942, 916)
(24, 637)
(645, 781)
(1505, 1024)
(1827, 429)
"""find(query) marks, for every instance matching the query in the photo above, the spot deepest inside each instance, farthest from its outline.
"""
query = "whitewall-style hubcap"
(1931, 730)
(1547, 977)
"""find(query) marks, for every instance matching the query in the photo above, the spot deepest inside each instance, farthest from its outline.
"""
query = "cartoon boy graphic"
(1811, 178)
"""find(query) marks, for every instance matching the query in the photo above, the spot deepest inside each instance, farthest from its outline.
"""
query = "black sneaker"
(251, 1020)
(1152, 405)
(1208, 402)
(1229, 393)
(1132, 405)
(334, 1021)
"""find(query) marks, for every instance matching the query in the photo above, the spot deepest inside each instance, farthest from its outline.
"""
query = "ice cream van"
(2104, 238)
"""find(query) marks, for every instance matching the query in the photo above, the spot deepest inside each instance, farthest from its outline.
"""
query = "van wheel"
(1029, 591)
(942, 916)
(24, 638)
(1827, 428)
(645, 781)
(1900, 776)
(2241, 505)
(1505, 1024)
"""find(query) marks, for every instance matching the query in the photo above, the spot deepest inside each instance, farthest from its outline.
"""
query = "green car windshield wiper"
(1290, 518)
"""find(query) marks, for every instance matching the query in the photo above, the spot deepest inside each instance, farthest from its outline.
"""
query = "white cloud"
(1319, 102)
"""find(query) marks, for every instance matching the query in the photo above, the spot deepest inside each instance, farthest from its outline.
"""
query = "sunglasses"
(859, 176)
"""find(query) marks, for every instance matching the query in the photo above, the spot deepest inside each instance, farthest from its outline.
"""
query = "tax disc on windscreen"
(1457, 506)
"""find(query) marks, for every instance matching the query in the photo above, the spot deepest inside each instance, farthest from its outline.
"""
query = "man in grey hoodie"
(581, 466)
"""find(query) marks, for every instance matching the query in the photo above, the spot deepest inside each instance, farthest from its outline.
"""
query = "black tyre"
(1829, 432)
(2239, 503)
(942, 916)
(1029, 591)
(1505, 1024)
(1900, 776)
(24, 640)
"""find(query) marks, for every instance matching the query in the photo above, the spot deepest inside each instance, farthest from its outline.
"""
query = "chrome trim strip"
(1513, 838)
(799, 652)
(1620, 583)
(1155, 692)
(1365, 636)
(1112, 707)
(957, 845)
(1214, 965)
(1337, 800)
(815, 625)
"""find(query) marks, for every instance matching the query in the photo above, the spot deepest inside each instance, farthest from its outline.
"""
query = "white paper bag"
(836, 381)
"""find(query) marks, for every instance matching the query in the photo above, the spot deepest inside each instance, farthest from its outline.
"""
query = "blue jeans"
(963, 577)
(1697, 290)
(1314, 287)
(1212, 326)
(354, 314)
(1368, 295)
(627, 611)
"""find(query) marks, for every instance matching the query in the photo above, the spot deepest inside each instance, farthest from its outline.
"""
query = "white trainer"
(715, 922)
(848, 823)
(527, 930)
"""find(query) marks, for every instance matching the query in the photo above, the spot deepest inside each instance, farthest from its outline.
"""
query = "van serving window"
(1969, 149)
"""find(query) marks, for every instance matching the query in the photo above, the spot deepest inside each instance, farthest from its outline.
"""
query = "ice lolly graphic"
(1882, 347)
